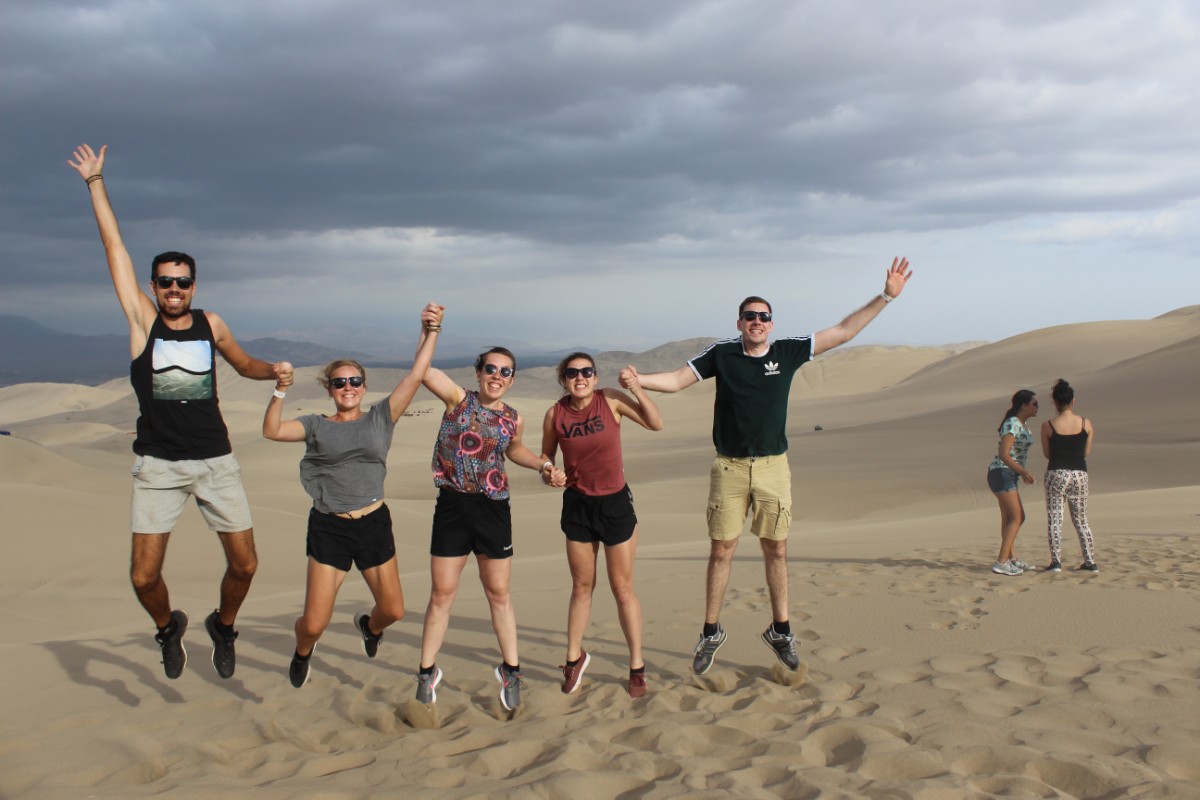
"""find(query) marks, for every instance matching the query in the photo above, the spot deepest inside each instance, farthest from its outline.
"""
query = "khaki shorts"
(737, 486)
(161, 488)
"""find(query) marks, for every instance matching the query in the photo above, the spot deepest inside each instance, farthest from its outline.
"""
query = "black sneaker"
(1088, 566)
(510, 687)
(706, 650)
(298, 672)
(370, 642)
(223, 657)
(1055, 566)
(173, 654)
(784, 647)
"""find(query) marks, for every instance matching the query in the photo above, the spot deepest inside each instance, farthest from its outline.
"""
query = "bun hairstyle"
(1063, 394)
(1019, 399)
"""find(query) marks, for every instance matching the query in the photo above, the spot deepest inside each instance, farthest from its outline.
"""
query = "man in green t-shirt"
(750, 473)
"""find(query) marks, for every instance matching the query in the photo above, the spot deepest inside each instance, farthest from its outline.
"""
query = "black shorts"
(607, 518)
(471, 523)
(339, 542)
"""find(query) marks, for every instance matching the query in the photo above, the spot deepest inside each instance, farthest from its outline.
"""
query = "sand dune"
(925, 676)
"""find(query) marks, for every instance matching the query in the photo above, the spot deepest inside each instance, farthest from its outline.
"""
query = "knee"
(623, 593)
(144, 580)
(243, 568)
(310, 627)
(442, 598)
(581, 587)
(393, 610)
(498, 596)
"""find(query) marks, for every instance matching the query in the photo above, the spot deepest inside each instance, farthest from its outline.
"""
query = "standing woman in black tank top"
(1066, 443)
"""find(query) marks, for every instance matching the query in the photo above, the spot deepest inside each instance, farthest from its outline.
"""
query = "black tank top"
(1066, 449)
(175, 380)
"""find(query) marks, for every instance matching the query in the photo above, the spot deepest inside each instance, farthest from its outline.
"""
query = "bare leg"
(496, 575)
(775, 562)
(1012, 515)
(719, 559)
(446, 574)
(619, 560)
(581, 558)
(241, 564)
(320, 592)
(384, 583)
(145, 573)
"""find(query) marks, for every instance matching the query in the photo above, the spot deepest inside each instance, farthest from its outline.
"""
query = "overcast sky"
(611, 175)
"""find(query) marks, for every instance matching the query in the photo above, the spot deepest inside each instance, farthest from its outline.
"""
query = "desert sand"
(925, 676)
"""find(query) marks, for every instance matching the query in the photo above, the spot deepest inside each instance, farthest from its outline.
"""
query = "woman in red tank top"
(597, 503)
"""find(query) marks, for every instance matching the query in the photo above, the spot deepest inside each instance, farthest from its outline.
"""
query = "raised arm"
(274, 427)
(640, 408)
(443, 387)
(431, 328)
(847, 329)
(669, 381)
(246, 365)
(138, 307)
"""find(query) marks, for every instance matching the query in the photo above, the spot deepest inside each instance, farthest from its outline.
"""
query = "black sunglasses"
(355, 381)
(165, 281)
(492, 369)
(571, 373)
(761, 316)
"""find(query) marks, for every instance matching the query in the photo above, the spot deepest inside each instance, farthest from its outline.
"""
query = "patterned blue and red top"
(469, 453)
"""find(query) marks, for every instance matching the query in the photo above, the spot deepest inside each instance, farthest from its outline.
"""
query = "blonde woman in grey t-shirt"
(343, 469)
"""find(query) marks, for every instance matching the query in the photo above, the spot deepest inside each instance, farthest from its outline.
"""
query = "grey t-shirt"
(345, 463)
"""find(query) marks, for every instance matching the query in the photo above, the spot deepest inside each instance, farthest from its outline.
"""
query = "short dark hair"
(754, 299)
(172, 257)
(502, 351)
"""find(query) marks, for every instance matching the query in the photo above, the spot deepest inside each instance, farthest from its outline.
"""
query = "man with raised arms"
(182, 443)
(750, 473)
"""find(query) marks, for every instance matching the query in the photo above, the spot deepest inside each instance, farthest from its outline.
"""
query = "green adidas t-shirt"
(750, 412)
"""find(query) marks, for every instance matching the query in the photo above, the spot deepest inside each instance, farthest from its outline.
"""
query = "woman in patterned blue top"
(1003, 473)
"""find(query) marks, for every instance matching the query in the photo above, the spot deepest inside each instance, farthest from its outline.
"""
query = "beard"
(175, 312)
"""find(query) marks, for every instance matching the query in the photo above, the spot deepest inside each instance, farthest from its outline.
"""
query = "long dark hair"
(1063, 394)
(1019, 399)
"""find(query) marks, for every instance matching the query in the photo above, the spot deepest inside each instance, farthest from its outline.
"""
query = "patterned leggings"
(1070, 485)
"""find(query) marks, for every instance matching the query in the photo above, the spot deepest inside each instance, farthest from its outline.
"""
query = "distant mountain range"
(33, 353)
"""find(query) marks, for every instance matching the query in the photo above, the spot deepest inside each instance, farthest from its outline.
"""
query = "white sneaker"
(1007, 568)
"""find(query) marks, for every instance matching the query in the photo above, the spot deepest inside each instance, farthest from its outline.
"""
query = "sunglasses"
(761, 316)
(166, 281)
(571, 373)
(355, 381)
(492, 369)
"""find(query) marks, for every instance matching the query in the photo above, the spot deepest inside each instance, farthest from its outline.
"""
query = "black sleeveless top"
(1066, 449)
(175, 380)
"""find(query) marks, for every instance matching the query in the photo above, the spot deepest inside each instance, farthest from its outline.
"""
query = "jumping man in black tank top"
(182, 444)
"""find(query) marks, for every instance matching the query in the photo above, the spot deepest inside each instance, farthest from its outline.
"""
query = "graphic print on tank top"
(182, 370)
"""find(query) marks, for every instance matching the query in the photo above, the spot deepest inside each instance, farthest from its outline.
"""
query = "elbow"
(657, 425)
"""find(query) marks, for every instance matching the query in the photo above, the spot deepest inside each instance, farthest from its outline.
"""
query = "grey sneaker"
(427, 686)
(510, 687)
(784, 647)
(173, 654)
(298, 672)
(706, 650)
(1007, 568)
(370, 641)
(1021, 565)
(223, 657)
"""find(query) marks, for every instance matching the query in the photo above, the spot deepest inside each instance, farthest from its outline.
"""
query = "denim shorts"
(1002, 479)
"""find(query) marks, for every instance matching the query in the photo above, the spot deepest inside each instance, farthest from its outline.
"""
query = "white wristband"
(549, 464)
(887, 298)
(278, 393)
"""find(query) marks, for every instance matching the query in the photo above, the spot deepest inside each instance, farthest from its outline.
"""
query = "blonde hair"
(334, 366)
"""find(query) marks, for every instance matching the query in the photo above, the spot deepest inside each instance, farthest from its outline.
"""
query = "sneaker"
(298, 672)
(784, 646)
(173, 654)
(427, 686)
(1055, 566)
(223, 657)
(1089, 566)
(706, 650)
(637, 684)
(370, 641)
(573, 675)
(1021, 565)
(510, 687)
(1007, 568)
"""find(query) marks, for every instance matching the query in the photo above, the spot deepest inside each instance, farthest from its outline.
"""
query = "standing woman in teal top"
(1003, 474)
